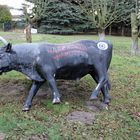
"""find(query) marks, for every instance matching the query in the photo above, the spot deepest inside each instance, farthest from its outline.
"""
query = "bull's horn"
(3, 40)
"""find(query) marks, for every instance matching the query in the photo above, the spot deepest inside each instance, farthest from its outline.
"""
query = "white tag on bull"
(102, 46)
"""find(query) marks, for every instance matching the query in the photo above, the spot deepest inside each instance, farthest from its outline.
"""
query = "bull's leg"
(102, 80)
(56, 95)
(106, 96)
(104, 89)
(48, 74)
(34, 88)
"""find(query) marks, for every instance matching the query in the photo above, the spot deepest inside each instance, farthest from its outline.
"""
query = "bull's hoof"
(93, 97)
(26, 108)
(107, 101)
(56, 101)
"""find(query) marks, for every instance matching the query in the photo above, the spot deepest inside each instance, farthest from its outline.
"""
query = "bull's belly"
(72, 72)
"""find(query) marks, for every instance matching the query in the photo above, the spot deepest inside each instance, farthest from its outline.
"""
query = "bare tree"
(104, 12)
(34, 16)
(28, 25)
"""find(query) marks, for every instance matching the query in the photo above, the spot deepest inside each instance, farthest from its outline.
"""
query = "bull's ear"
(8, 47)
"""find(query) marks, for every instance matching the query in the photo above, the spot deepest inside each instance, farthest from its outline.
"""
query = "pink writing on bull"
(63, 51)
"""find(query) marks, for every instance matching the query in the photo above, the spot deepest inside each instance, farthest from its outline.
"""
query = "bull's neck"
(19, 64)
(14, 62)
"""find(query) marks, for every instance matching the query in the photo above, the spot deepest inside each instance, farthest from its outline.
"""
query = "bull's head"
(5, 53)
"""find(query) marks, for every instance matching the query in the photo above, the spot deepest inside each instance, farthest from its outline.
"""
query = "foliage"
(72, 16)
(5, 15)
(62, 17)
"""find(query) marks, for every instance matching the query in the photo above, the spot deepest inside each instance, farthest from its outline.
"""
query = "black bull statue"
(70, 61)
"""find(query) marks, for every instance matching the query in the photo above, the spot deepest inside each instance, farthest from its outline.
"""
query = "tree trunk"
(134, 47)
(28, 33)
(134, 34)
(101, 34)
(110, 30)
(123, 28)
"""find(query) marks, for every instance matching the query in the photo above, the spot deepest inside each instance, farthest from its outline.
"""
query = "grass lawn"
(120, 122)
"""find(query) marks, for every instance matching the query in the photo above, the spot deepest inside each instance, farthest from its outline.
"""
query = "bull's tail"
(109, 54)
(108, 57)
(108, 84)
(109, 61)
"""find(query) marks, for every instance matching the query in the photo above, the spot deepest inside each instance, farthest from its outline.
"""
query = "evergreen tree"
(64, 17)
